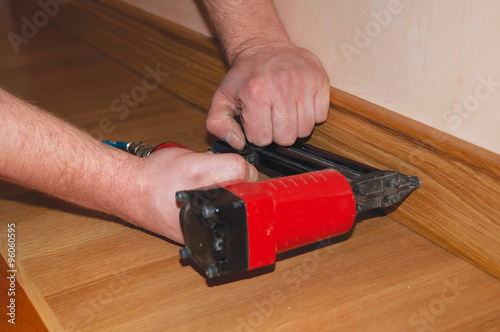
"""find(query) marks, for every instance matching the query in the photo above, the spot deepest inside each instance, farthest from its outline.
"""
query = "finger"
(284, 123)
(227, 167)
(305, 116)
(251, 175)
(257, 122)
(322, 102)
(221, 122)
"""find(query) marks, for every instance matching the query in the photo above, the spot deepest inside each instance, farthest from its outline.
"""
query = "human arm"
(43, 152)
(280, 90)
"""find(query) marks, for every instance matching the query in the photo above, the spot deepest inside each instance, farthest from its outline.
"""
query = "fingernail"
(231, 139)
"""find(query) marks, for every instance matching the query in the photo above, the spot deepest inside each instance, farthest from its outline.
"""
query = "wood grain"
(85, 271)
(189, 58)
(458, 205)
(27, 318)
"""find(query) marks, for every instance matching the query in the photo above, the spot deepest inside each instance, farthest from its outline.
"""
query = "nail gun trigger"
(252, 158)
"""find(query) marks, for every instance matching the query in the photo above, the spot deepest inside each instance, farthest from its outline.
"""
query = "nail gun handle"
(169, 145)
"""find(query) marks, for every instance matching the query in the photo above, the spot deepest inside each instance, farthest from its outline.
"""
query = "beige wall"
(437, 62)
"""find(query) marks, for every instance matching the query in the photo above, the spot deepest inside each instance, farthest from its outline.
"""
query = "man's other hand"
(280, 91)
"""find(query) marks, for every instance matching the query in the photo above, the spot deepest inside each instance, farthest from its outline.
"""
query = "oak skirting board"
(458, 206)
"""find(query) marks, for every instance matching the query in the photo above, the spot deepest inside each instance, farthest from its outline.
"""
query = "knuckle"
(266, 140)
(304, 76)
(305, 130)
(215, 123)
(255, 88)
(319, 76)
(259, 135)
(214, 128)
(239, 167)
(197, 172)
(285, 130)
(261, 139)
(322, 107)
(282, 81)
(286, 140)
(323, 118)
(281, 76)
(211, 124)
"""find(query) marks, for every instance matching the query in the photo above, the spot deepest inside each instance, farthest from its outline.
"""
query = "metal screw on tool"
(360, 207)
(185, 253)
(218, 244)
(211, 271)
(360, 190)
(250, 158)
(208, 212)
(394, 183)
(181, 196)
(390, 200)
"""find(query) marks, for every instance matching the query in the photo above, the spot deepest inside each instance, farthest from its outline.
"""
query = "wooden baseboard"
(458, 206)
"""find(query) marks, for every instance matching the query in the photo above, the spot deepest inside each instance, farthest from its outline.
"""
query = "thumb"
(221, 122)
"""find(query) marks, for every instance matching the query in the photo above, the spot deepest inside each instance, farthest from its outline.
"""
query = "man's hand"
(279, 90)
(169, 170)
(43, 152)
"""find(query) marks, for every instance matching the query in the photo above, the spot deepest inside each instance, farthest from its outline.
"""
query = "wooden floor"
(84, 271)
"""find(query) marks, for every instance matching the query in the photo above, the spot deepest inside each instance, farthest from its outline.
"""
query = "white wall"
(437, 62)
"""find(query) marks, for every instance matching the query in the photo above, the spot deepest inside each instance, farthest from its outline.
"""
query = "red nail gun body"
(241, 226)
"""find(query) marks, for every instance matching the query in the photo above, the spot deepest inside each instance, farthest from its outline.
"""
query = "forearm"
(241, 25)
(43, 152)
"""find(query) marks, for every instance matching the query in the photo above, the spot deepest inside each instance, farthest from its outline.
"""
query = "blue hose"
(117, 144)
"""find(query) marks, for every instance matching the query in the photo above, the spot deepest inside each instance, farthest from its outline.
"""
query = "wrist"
(129, 189)
(253, 46)
(245, 25)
